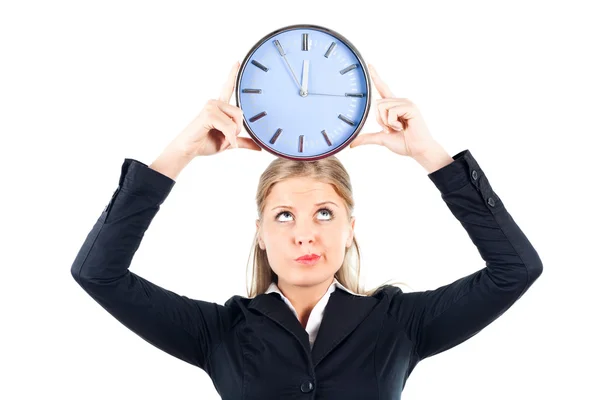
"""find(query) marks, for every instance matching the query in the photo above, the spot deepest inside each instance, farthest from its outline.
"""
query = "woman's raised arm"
(437, 320)
(185, 328)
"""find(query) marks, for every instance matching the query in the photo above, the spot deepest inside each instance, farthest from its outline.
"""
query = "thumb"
(243, 143)
(370, 138)
(248, 143)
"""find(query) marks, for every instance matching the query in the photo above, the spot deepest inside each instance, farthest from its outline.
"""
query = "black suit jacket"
(256, 349)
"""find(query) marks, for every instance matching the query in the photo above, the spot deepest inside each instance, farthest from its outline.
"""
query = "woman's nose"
(304, 240)
(304, 234)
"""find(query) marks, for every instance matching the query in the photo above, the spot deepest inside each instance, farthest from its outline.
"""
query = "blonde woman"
(305, 269)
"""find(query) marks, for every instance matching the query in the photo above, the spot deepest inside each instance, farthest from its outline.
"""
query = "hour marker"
(258, 116)
(305, 42)
(326, 137)
(346, 119)
(279, 47)
(355, 95)
(348, 68)
(259, 65)
(252, 91)
(330, 49)
(301, 143)
(275, 136)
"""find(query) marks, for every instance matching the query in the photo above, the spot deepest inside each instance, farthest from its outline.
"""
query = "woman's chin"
(307, 277)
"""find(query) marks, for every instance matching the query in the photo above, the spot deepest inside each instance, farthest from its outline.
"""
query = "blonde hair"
(329, 170)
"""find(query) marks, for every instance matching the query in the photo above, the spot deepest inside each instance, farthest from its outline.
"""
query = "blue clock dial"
(304, 91)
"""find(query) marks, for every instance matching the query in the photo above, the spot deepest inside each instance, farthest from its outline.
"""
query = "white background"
(86, 84)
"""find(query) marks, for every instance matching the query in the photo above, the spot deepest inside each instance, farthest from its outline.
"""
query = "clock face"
(304, 91)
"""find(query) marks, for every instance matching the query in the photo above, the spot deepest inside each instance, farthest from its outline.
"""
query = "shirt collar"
(335, 284)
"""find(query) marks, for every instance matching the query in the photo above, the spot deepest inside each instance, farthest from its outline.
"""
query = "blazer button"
(474, 175)
(306, 386)
(112, 197)
(491, 201)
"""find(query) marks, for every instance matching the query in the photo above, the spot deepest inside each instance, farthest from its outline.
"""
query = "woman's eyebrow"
(317, 204)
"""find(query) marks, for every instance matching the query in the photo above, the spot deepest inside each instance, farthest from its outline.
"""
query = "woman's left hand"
(404, 130)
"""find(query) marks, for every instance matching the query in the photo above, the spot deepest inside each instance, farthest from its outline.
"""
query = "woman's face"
(304, 216)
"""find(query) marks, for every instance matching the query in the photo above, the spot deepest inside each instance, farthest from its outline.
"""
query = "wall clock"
(305, 92)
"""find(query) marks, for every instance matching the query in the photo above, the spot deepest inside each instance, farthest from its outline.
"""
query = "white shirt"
(316, 315)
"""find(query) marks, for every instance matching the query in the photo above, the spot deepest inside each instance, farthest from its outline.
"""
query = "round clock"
(305, 92)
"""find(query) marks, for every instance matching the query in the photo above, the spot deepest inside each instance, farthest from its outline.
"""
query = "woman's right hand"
(217, 127)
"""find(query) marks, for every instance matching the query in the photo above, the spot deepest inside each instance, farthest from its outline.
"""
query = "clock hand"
(340, 95)
(282, 53)
(304, 89)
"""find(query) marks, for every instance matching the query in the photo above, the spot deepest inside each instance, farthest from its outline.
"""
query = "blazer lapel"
(272, 306)
(342, 314)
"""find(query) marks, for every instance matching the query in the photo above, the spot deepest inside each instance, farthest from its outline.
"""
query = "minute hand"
(282, 53)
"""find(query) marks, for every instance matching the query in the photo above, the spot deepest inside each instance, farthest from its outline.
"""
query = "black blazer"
(256, 349)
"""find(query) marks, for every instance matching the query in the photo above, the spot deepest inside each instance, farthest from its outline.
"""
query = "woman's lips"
(308, 260)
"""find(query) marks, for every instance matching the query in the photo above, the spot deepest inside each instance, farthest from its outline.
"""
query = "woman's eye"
(283, 213)
(319, 214)
(326, 211)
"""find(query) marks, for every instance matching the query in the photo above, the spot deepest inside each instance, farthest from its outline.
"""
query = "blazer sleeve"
(437, 320)
(182, 327)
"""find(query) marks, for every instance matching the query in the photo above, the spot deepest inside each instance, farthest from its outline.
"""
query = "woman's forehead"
(300, 190)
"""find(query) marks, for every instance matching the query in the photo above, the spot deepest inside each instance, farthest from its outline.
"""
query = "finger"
(224, 146)
(226, 126)
(369, 138)
(227, 89)
(401, 107)
(380, 120)
(398, 115)
(382, 88)
(247, 143)
(233, 112)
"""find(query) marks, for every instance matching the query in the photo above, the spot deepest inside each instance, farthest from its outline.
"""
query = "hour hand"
(282, 53)
(304, 88)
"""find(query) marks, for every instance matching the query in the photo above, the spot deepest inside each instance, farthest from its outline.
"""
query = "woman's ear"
(351, 234)
(258, 237)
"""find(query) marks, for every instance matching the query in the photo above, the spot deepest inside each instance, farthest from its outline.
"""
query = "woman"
(266, 346)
